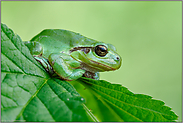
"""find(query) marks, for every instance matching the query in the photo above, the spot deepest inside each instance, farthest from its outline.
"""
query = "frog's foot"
(65, 66)
(76, 73)
(44, 62)
(91, 75)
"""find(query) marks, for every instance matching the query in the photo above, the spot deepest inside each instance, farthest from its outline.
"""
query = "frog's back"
(59, 40)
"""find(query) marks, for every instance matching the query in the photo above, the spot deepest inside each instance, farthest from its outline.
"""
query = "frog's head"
(97, 58)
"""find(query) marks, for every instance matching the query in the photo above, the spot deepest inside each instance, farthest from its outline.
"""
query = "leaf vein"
(3, 79)
(9, 98)
(46, 108)
(116, 105)
(13, 62)
(131, 104)
(22, 74)
(11, 107)
(109, 88)
(30, 100)
(59, 97)
(121, 101)
(23, 88)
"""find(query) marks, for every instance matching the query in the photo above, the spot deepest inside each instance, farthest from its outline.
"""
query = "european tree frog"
(71, 55)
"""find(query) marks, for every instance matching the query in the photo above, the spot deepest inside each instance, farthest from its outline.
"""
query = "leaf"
(28, 93)
(128, 106)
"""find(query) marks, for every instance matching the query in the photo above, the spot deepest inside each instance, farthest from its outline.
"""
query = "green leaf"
(28, 93)
(128, 106)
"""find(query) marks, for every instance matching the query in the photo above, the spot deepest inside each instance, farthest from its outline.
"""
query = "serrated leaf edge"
(17, 48)
(88, 82)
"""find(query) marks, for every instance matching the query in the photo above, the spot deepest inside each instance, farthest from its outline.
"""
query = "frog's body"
(71, 55)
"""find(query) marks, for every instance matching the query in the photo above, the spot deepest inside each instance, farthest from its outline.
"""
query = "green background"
(148, 36)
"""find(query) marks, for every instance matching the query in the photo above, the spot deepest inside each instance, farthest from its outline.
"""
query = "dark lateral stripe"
(85, 49)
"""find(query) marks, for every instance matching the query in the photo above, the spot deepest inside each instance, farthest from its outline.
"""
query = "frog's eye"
(101, 50)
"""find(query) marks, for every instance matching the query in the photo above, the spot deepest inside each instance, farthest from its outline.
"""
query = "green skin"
(71, 55)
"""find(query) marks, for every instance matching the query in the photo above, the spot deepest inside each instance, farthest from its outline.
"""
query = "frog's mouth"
(95, 66)
(93, 69)
(105, 66)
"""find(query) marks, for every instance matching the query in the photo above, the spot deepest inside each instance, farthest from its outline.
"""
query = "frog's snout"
(118, 61)
(116, 58)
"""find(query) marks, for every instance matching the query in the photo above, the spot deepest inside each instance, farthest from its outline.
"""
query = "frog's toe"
(91, 75)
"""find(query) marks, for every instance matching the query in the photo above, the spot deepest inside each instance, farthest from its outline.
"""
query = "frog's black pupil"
(101, 50)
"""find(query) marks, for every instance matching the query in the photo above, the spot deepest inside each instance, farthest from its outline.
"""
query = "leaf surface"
(28, 93)
(128, 106)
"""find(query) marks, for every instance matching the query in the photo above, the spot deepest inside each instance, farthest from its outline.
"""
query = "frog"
(70, 55)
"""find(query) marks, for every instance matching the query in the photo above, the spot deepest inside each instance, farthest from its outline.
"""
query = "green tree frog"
(71, 55)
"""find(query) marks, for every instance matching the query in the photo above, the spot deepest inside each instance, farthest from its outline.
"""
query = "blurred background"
(147, 35)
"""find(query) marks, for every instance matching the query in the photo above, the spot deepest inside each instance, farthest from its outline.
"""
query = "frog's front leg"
(36, 50)
(65, 66)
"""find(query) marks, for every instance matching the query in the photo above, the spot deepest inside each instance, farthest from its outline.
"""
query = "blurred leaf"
(97, 106)
(27, 91)
(128, 106)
